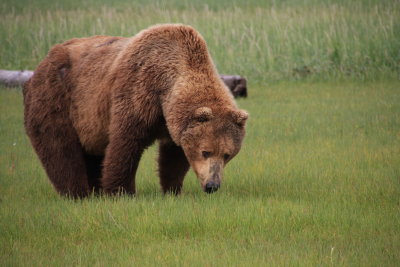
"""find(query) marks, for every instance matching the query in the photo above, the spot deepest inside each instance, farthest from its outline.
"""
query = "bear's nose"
(211, 187)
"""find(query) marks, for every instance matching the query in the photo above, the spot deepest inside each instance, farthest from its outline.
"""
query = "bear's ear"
(240, 117)
(203, 114)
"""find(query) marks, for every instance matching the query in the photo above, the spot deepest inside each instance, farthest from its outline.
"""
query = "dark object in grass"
(236, 83)
(302, 71)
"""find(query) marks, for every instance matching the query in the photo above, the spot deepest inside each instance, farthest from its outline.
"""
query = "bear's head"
(210, 141)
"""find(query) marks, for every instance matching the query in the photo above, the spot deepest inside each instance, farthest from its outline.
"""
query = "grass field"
(317, 181)
(264, 42)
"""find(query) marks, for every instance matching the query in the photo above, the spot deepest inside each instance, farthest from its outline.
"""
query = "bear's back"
(89, 74)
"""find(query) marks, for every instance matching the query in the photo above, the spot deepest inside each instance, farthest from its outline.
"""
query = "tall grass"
(268, 41)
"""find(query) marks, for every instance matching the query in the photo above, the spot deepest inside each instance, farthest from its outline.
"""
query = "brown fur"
(94, 104)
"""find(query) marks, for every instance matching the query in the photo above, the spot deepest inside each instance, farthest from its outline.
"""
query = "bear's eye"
(226, 156)
(206, 154)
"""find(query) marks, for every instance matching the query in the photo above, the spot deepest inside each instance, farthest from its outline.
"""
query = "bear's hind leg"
(62, 157)
(172, 167)
(47, 99)
(57, 145)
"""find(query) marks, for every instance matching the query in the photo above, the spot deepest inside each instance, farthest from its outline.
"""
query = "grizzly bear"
(95, 104)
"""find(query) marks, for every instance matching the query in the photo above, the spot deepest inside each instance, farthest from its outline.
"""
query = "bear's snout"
(211, 187)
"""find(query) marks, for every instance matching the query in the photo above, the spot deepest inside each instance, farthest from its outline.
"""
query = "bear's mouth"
(211, 187)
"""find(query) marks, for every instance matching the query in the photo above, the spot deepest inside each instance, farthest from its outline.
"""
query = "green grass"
(317, 181)
(268, 41)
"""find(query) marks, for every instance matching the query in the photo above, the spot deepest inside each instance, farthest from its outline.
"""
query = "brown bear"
(94, 104)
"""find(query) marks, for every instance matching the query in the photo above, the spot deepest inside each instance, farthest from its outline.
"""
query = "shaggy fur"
(94, 104)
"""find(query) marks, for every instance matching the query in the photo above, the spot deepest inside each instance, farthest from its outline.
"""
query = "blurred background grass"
(262, 40)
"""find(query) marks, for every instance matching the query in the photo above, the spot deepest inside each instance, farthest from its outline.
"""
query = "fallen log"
(237, 84)
(14, 78)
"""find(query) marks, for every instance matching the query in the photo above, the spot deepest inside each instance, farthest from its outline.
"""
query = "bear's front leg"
(122, 156)
(173, 167)
(120, 165)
